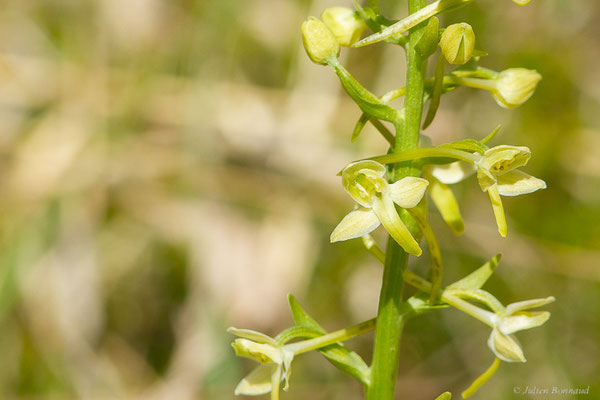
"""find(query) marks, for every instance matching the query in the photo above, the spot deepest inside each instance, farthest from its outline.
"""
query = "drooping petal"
(408, 192)
(252, 335)
(356, 224)
(498, 210)
(453, 172)
(386, 212)
(528, 304)
(522, 320)
(505, 347)
(516, 182)
(446, 203)
(257, 382)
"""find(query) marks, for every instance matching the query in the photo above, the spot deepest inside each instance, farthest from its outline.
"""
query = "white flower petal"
(523, 320)
(453, 172)
(257, 382)
(408, 192)
(356, 224)
(386, 212)
(528, 304)
(515, 183)
(505, 347)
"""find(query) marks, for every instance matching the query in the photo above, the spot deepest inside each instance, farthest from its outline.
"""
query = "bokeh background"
(168, 169)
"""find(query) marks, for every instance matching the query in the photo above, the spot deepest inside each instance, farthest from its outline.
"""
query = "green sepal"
(428, 42)
(339, 355)
(470, 145)
(444, 396)
(477, 278)
(436, 91)
(366, 100)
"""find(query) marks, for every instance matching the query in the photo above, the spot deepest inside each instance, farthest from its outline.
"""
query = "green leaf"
(436, 95)
(366, 100)
(477, 278)
(428, 42)
(339, 355)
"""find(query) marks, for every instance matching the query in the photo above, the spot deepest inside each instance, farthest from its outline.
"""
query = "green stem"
(393, 311)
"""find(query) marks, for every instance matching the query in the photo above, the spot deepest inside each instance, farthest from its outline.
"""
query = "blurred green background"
(168, 169)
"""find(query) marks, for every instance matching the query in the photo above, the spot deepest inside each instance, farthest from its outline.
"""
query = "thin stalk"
(331, 338)
(393, 311)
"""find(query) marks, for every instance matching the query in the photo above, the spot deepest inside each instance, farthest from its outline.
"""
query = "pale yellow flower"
(365, 182)
(275, 360)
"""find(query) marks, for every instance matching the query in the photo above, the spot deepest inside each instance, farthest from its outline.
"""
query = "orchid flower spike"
(503, 321)
(275, 363)
(365, 182)
(497, 173)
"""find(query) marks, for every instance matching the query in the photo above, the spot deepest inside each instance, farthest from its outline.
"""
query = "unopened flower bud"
(344, 23)
(514, 86)
(458, 43)
(522, 2)
(319, 42)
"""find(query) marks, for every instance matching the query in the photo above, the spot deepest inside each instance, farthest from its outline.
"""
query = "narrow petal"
(356, 224)
(516, 182)
(252, 335)
(505, 347)
(453, 172)
(257, 382)
(386, 212)
(523, 320)
(408, 192)
(446, 203)
(498, 210)
(528, 304)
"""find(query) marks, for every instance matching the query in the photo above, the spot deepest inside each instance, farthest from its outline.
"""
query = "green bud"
(458, 43)
(522, 2)
(319, 42)
(514, 86)
(344, 23)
